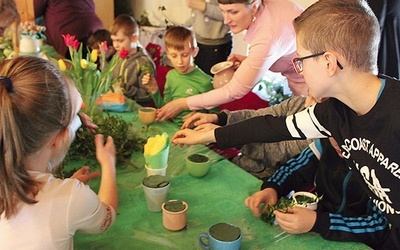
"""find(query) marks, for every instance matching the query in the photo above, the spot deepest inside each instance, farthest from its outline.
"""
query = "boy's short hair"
(177, 36)
(348, 27)
(127, 24)
(99, 36)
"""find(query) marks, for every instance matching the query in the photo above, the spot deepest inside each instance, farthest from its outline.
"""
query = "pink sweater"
(272, 43)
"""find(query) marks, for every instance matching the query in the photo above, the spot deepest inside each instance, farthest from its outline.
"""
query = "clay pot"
(174, 214)
(223, 73)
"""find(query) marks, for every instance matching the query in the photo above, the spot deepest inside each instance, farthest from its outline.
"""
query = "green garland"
(83, 148)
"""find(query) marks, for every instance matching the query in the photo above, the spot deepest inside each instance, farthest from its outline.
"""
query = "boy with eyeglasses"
(361, 115)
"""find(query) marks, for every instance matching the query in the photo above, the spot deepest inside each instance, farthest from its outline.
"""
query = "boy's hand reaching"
(296, 220)
(198, 119)
(266, 196)
(150, 83)
(191, 137)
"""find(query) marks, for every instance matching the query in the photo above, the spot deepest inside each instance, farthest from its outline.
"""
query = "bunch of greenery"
(83, 147)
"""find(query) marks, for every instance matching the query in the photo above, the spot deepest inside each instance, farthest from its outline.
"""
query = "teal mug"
(221, 236)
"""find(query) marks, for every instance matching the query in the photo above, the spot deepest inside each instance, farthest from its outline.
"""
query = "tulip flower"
(90, 79)
(70, 41)
(62, 65)
(123, 53)
(84, 64)
(93, 55)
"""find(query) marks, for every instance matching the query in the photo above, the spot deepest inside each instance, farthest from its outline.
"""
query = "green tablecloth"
(217, 197)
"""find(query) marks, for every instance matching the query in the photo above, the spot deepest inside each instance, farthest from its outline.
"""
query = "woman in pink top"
(272, 45)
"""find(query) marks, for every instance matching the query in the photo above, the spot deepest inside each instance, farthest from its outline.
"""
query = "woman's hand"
(84, 174)
(150, 83)
(198, 119)
(191, 137)
(266, 196)
(236, 59)
(171, 109)
(296, 220)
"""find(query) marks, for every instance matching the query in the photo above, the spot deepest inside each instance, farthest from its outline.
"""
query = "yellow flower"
(62, 65)
(84, 64)
(93, 55)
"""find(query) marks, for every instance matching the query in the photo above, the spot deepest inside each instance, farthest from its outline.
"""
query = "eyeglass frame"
(299, 67)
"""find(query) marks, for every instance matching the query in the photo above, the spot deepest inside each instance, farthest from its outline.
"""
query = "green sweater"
(183, 85)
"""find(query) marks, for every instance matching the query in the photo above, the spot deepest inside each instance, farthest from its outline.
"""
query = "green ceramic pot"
(198, 165)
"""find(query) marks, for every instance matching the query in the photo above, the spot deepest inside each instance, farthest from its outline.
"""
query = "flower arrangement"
(90, 79)
(6, 48)
(30, 29)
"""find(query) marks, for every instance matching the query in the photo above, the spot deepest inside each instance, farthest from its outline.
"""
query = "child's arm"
(150, 83)
(266, 196)
(106, 155)
(370, 228)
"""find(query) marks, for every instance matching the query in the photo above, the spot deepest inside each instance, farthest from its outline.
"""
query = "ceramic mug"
(221, 236)
(198, 165)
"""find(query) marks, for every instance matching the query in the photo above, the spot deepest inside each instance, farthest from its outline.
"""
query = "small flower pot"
(198, 165)
(174, 214)
(306, 199)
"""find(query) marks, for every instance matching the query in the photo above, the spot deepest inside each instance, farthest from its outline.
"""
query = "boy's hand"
(296, 220)
(150, 83)
(191, 137)
(206, 127)
(198, 119)
(266, 196)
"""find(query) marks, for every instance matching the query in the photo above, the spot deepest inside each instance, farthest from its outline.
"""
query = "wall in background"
(177, 12)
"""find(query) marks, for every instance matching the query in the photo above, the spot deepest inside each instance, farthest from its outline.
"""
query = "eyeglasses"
(298, 62)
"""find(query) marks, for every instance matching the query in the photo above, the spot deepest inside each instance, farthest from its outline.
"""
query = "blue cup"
(221, 236)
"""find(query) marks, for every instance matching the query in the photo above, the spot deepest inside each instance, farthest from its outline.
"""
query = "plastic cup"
(155, 192)
(155, 171)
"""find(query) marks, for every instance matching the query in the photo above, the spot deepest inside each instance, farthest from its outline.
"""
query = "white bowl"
(311, 206)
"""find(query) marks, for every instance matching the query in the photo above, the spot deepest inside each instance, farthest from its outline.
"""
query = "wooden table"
(217, 197)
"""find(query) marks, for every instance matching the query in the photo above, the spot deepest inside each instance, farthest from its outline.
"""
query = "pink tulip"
(70, 41)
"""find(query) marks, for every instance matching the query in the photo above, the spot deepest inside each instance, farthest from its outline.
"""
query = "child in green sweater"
(186, 79)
